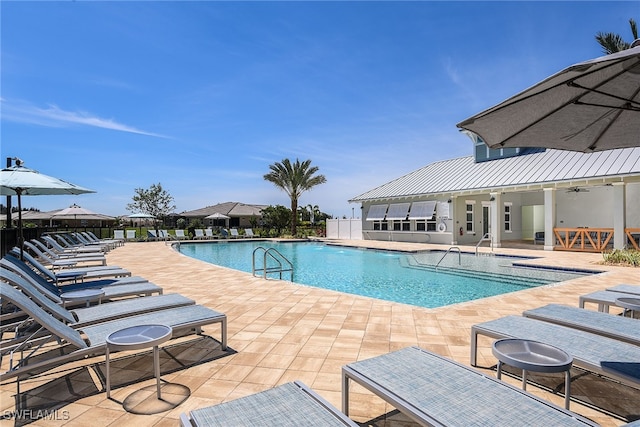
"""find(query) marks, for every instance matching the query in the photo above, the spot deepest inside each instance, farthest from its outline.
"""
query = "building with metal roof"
(511, 195)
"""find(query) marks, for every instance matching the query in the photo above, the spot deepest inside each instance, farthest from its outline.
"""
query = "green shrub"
(629, 257)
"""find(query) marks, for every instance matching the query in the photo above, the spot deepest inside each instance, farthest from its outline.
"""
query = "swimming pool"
(409, 278)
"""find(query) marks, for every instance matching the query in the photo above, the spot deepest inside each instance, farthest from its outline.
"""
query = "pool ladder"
(447, 253)
(283, 264)
(486, 238)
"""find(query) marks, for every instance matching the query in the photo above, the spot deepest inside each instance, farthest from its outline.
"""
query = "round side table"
(137, 338)
(86, 295)
(534, 356)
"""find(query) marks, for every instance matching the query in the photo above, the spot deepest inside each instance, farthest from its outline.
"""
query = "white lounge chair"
(50, 258)
(180, 235)
(118, 235)
(436, 391)
(234, 233)
(199, 234)
(248, 232)
(131, 235)
(209, 233)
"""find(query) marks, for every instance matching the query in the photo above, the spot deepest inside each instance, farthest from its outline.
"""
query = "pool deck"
(280, 332)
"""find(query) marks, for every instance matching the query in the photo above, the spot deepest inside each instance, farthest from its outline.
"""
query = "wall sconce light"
(492, 199)
(449, 201)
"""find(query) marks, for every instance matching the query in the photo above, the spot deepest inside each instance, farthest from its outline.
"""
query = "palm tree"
(612, 42)
(294, 179)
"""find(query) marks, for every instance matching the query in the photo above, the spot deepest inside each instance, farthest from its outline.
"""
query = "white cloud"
(53, 116)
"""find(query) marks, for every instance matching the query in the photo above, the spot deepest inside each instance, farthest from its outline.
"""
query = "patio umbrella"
(590, 106)
(216, 216)
(140, 216)
(20, 181)
(74, 212)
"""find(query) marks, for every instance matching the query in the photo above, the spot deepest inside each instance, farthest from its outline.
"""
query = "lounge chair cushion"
(437, 391)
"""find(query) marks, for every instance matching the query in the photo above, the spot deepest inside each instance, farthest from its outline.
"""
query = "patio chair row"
(63, 335)
(435, 391)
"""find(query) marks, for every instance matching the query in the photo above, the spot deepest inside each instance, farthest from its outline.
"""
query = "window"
(401, 226)
(470, 205)
(380, 225)
(507, 217)
(426, 225)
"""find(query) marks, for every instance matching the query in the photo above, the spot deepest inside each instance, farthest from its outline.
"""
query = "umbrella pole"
(20, 235)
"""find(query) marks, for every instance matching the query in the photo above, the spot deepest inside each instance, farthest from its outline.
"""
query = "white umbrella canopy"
(76, 212)
(140, 215)
(217, 215)
(590, 106)
(18, 181)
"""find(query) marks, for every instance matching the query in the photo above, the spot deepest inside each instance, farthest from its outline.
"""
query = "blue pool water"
(409, 278)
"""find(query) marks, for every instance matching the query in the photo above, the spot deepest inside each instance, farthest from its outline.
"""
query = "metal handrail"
(275, 255)
(446, 253)
(486, 237)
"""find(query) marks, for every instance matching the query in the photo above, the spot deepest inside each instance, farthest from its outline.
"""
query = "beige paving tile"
(283, 332)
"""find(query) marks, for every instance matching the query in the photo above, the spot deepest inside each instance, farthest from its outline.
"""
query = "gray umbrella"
(20, 181)
(590, 106)
(76, 212)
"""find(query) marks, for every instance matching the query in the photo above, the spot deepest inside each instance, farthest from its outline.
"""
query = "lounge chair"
(628, 289)
(248, 232)
(594, 353)
(131, 235)
(87, 241)
(92, 237)
(113, 288)
(616, 327)
(71, 241)
(209, 233)
(118, 235)
(74, 274)
(84, 316)
(290, 404)
(60, 249)
(67, 255)
(199, 234)
(56, 261)
(224, 234)
(180, 235)
(437, 391)
(234, 233)
(72, 346)
(151, 235)
(604, 299)
(163, 235)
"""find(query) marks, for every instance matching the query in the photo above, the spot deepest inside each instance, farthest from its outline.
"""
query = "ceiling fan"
(577, 190)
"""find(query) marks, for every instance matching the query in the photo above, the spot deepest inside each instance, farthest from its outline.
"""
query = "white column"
(495, 219)
(619, 215)
(454, 223)
(549, 218)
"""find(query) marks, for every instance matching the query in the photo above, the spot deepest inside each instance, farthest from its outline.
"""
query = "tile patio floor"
(279, 332)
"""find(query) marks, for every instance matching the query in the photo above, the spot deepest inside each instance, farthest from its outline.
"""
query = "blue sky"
(203, 96)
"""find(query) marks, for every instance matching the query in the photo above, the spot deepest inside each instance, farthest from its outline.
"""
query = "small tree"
(277, 217)
(154, 201)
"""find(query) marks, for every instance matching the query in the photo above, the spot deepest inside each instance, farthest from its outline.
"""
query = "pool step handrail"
(447, 253)
(486, 237)
(283, 264)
